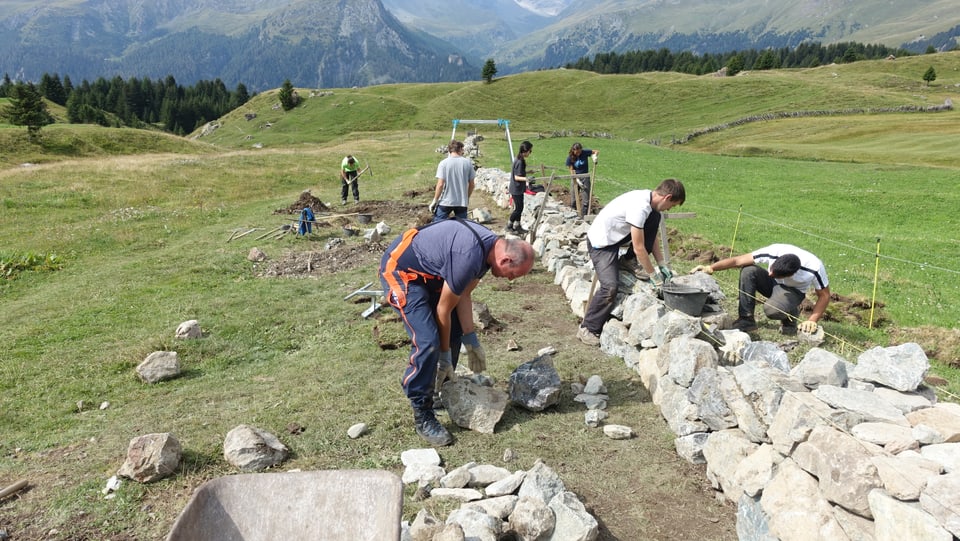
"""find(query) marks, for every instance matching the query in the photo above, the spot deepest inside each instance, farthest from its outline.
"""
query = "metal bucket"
(364, 218)
(687, 299)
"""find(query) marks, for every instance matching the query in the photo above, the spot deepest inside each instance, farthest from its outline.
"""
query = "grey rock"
(618, 432)
(474, 406)
(690, 447)
(541, 483)
(752, 521)
(900, 367)
(357, 430)
(151, 457)
(821, 367)
(535, 385)
(941, 498)
(532, 519)
(159, 366)
(574, 523)
(252, 449)
(896, 520)
(188, 330)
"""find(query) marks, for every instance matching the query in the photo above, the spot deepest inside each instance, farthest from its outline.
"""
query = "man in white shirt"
(633, 219)
(790, 273)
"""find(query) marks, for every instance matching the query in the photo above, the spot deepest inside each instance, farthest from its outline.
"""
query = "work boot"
(787, 329)
(430, 429)
(745, 324)
(587, 337)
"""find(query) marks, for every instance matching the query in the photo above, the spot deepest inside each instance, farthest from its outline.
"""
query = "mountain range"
(343, 43)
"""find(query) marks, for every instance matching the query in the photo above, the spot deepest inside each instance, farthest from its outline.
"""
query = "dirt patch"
(306, 200)
(321, 262)
(328, 249)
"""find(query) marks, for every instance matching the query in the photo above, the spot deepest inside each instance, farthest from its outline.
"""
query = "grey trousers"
(782, 304)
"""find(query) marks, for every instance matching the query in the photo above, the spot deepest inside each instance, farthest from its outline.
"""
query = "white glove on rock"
(808, 326)
(445, 370)
(476, 358)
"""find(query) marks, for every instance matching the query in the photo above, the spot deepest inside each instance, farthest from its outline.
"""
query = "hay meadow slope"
(141, 223)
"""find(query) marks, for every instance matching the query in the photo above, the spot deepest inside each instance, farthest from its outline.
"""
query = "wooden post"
(664, 244)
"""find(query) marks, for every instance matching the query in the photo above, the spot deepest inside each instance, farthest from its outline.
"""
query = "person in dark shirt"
(428, 275)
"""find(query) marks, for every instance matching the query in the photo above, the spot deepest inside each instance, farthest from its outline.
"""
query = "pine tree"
(489, 70)
(930, 75)
(734, 65)
(288, 96)
(27, 108)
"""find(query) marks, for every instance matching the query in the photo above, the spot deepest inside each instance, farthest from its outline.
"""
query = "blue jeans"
(443, 213)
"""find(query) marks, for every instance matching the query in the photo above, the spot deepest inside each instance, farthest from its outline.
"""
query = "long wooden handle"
(13, 489)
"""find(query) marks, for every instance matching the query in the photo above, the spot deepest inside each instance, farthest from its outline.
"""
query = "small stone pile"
(495, 502)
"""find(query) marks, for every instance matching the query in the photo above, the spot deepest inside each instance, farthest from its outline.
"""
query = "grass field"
(139, 222)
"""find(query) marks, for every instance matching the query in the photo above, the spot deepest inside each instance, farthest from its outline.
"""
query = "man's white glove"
(702, 268)
(445, 370)
(666, 272)
(808, 326)
(433, 206)
(656, 278)
(594, 156)
(476, 358)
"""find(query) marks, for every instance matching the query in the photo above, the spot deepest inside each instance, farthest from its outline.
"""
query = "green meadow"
(112, 237)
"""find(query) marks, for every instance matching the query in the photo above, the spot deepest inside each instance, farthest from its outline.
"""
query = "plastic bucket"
(687, 299)
(364, 218)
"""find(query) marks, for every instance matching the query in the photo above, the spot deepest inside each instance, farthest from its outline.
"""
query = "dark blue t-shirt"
(450, 250)
(580, 164)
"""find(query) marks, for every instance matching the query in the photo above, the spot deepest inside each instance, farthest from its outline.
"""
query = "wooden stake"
(13, 489)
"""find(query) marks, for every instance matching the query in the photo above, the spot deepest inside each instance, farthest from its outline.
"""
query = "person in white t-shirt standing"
(791, 272)
(455, 183)
(632, 218)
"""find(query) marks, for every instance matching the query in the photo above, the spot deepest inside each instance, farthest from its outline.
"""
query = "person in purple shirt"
(428, 275)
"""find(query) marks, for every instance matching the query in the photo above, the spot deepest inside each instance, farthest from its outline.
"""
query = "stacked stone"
(828, 449)
(531, 504)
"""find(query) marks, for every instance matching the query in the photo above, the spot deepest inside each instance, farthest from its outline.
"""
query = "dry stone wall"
(828, 449)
